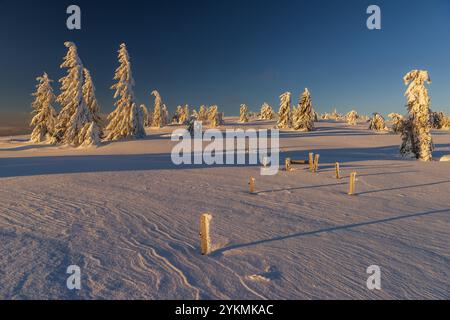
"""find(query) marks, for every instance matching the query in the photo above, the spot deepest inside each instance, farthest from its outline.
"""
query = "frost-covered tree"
(437, 119)
(181, 114)
(352, 117)
(316, 116)
(89, 97)
(177, 115)
(213, 116)
(416, 135)
(266, 112)
(44, 115)
(243, 114)
(446, 123)
(157, 120)
(284, 114)
(74, 114)
(165, 115)
(221, 118)
(138, 121)
(90, 135)
(377, 123)
(147, 115)
(123, 121)
(325, 116)
(185, 115)
(303, 115)
(397, 122)
(202, 113)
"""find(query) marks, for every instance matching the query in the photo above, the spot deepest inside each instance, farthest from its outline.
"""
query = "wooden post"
(287, 164)
(311, 161)
(251, 185)
(205, 241)
(316, 162)
(352, 183)
(338, 173)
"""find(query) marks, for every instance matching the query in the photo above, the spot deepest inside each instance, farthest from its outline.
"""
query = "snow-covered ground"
(129, 218)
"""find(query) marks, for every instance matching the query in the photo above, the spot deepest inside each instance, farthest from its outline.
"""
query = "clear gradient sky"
(229, 52)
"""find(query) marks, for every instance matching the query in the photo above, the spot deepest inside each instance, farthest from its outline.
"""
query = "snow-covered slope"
(129, 219)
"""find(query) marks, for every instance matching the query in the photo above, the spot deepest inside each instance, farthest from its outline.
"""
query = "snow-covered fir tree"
(377, 123)
(185, 115)
(177, 115)
(147, 116)
(138, 121)
(74, 114)
(416, 135)
(221, 118)
(44, 115)
(266, 112)
(90, 135)
(437, 119)
(243, 114)
(303, 115)
(202, 113)
(157, 120)
(352, 117)
(446, 123)
(91, 100)
(165, 115)
(213, 116)
(123, 121)
(284, 114)
(181, 114)
(397, 122)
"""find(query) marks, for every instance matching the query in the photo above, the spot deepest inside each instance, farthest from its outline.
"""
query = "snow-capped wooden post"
(205, 241)
(287, 163)
(352, 183)
(338, 173)
(316, 162)
(311, 161)
(251, 185)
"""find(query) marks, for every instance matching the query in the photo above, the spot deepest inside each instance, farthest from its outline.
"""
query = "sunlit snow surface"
(129, 218)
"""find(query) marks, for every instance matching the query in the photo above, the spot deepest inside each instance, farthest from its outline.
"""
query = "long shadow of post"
(331, 229)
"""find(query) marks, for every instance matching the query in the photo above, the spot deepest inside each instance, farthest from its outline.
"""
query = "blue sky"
(229, 52)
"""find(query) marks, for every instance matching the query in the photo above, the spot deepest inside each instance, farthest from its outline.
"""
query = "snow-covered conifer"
(157, 120)
(181, 114)
(123, 121)
(266, 112)
(284, 114)
(416, 135)
(446, 123)
(74, 114)
(397, 122)
(147, 116)
(352, 117)
(221, 118)
(165, 115)
(90, 99)
(377, 123)
(90, 135)
(437, 119)
(138, 121)
(243, 113)
(303, 115)
(177, 115)
(213, 116)
(44, 115)
(202, 113)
